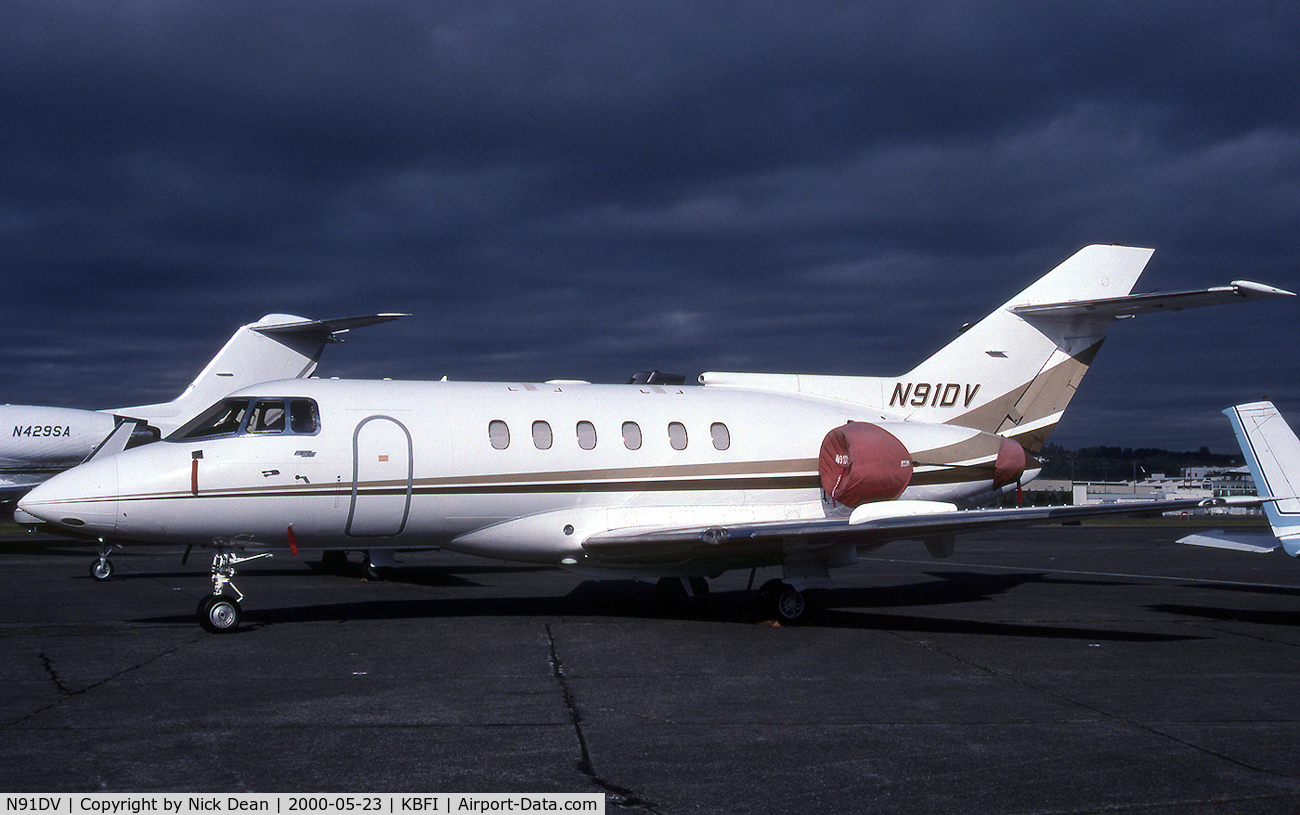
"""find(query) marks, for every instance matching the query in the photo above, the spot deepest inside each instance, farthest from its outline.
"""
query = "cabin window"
(498, 434)
(542, 435)
(677, 435)
(586, 435)
(302, 416)
(632, 435)
(222, 419)
(267, 416)
(721, 436)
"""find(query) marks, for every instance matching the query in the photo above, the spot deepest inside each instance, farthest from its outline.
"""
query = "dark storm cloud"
(585, 189)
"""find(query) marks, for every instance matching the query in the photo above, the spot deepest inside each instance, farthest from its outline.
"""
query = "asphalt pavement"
(1045, 670)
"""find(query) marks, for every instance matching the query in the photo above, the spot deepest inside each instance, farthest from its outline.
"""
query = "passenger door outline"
(380, 510)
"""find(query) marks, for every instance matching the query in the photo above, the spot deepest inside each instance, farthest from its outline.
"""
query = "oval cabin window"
(721, 435)
(632, 435)
(542, 435)
(498, 434)
(677, 435)
(586, 435)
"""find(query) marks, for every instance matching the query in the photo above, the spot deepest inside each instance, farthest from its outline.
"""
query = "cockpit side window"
(267, 416)
(302, 416)
(222, 419)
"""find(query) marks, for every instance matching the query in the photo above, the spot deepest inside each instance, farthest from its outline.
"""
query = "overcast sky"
(585, 189)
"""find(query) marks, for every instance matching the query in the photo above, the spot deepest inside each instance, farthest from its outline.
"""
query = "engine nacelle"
(861, 462)
(1010, 464)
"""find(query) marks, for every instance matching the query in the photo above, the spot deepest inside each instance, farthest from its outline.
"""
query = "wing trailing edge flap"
(934, 525)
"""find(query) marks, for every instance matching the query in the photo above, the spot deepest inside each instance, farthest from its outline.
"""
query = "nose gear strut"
(102, 568)
(219, 612)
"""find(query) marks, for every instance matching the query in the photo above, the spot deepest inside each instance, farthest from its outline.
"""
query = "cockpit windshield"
(237, 416)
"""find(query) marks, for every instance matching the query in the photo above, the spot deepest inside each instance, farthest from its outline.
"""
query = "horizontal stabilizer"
(1134, 304)
(1240, 541)
(319, 328)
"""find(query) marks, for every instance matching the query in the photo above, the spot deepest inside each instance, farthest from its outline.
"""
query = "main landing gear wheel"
(783, 602)
(219, 614)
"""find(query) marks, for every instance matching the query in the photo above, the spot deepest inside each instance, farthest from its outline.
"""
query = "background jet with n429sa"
(46, 440)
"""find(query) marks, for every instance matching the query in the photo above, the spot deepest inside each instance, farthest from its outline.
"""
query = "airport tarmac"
(1045, 670)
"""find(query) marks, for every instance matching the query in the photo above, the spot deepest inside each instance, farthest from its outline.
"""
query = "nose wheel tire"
(219, 614)
(101, 569)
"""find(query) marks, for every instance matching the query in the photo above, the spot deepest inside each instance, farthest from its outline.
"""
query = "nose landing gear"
(219, 613)
(102, 568)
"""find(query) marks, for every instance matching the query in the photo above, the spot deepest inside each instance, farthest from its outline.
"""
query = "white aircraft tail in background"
(1272, 452)
(46, 440)
(278, 346)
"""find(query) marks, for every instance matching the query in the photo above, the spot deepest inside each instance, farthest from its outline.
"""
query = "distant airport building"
(1194, 482)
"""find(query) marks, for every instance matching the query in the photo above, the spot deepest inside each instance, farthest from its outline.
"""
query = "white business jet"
(642, 480)
(1272, 453)
(47, 440)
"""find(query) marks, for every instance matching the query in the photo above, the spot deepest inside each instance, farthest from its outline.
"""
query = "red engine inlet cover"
(1010, 464)
(861, 462)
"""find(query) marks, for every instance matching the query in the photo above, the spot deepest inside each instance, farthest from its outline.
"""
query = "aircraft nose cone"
(83, 499)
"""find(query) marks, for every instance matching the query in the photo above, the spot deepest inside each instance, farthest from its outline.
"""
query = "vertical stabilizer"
(1014, 373)
(278, 346)
(1273, 454)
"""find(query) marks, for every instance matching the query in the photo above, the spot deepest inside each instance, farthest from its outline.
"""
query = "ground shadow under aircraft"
(848, 608)
(1289, 618)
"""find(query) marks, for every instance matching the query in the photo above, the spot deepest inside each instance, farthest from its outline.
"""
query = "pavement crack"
(66, 693)
(616, 796)
(54, 676)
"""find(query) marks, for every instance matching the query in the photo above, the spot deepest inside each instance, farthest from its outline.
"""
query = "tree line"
(1127, 463)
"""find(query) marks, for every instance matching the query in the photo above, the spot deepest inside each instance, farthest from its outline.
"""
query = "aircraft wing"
(15, 485)
(1133, 304)
(758, 540)
(330, 329)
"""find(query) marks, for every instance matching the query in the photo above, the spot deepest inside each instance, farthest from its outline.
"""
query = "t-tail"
(1272, 452)
(278, 346)
(1014, 372)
